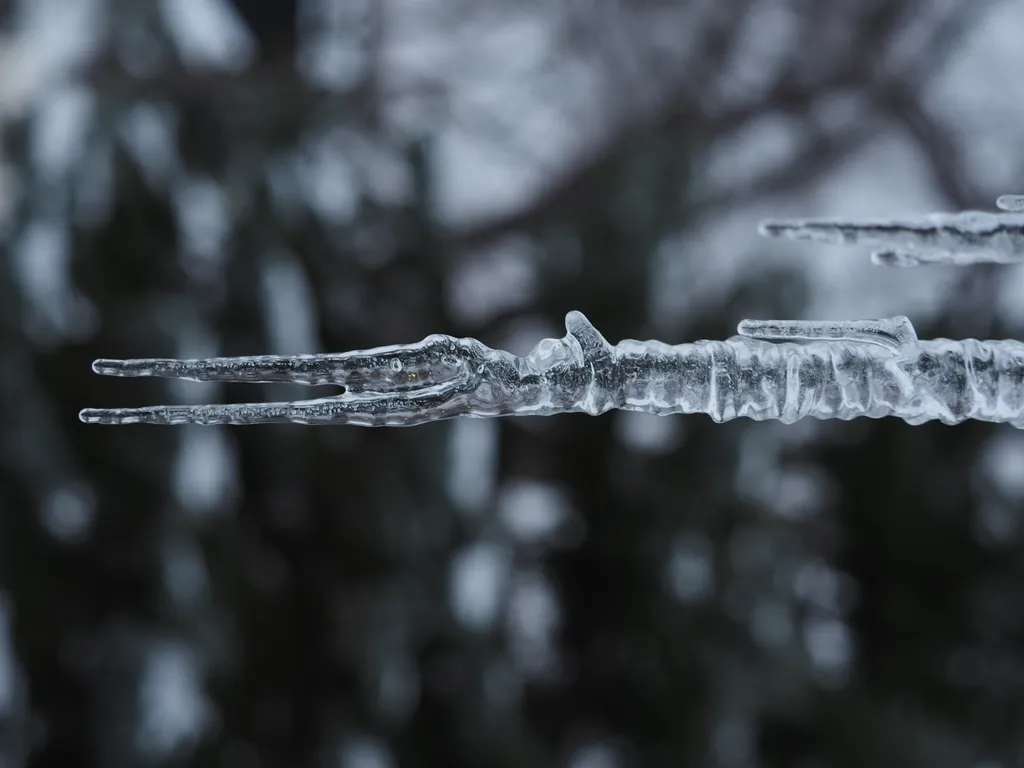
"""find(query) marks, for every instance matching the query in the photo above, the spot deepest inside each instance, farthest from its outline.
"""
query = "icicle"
(971, 237)
(842, 370)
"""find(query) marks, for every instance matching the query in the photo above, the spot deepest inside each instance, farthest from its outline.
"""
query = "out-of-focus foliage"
(197, 178)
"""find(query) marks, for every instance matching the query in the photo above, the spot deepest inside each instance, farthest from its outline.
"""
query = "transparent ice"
(773, 369)
(969, 237)
(784, 370)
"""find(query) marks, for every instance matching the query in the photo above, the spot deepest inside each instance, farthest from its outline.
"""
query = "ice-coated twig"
(828, 370)
(971, 237)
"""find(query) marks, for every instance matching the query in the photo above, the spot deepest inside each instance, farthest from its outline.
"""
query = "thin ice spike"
(354, 411)
(970, 237)
(436, 360)
(240, 413)
(300, 369)
(893, 333)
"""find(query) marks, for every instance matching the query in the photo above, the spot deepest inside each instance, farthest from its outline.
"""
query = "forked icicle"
(827, 370)
(971, 237)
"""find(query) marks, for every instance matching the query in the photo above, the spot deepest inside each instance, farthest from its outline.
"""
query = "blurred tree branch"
(687, 116)
(274, 25)
(317, 594)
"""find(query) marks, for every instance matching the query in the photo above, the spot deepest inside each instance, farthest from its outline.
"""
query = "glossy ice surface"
(784, 370)
(774, 369)
(971, 237)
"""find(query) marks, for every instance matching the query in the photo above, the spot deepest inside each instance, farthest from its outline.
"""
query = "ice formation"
(970, 237)
(774, 369)
(784, 370)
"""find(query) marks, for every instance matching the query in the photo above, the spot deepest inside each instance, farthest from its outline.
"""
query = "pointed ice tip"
(1011, 202)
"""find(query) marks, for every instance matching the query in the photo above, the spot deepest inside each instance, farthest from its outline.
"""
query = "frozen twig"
(971, 237)
(828, 370)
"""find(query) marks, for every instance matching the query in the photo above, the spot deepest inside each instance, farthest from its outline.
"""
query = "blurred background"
(197, 177)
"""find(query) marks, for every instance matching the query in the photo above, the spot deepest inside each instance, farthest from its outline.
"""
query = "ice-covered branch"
(840, 370)
(971, 237)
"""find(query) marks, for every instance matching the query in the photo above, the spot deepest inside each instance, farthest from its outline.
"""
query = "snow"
(532, 511)
(472, 464)
(8, 665)
(479, 574)
(68, 512)
(690, 572)
(174, 710)
(208, 34)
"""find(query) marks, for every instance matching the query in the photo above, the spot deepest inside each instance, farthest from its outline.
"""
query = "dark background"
(588, 592)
